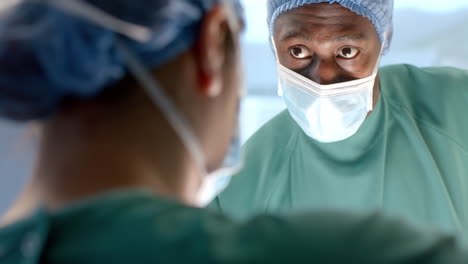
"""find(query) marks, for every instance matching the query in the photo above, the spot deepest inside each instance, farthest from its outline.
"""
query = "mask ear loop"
(280, 83)
(370, 107)
(160, 99)
(138, 33)
(82, 9)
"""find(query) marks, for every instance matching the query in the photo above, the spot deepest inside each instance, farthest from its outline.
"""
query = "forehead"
(322, 19)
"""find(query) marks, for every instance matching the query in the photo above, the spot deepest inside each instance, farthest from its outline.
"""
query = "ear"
(210, 51)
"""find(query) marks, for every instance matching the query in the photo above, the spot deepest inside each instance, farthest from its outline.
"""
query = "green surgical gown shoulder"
(136, 227)
(267, 151)
(435, 97)
(409, 158)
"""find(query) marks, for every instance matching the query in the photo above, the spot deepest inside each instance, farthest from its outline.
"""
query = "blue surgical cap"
(379, 12)
(47, 54)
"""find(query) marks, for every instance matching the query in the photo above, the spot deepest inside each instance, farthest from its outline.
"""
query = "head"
(330, 41)
(69, 73)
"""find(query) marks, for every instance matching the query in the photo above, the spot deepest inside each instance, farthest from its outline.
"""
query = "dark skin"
(122, 140)
(328, 44)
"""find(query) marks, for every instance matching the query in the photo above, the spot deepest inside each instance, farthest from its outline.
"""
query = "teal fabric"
(137, 227)
(410, 157)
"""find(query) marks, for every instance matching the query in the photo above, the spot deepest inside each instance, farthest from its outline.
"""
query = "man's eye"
(348, 53)
(299, 52)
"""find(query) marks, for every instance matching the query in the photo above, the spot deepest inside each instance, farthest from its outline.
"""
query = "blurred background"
(427, 33)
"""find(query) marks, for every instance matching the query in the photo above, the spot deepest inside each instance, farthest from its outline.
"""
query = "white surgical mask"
(326, 113)
(212, 183)
(215, 182)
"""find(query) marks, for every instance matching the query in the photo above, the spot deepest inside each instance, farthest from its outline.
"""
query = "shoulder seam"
(427, 124)
(289, 148)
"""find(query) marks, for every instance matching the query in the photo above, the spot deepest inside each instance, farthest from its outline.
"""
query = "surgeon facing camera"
(138, 102)
(355, 136)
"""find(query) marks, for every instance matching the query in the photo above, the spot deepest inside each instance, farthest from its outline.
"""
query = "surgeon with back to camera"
(138, 102)
(355, 136)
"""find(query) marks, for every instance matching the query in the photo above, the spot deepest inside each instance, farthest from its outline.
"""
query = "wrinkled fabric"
(48, 55)
(409, 159)
(134, 226)
(379, 12)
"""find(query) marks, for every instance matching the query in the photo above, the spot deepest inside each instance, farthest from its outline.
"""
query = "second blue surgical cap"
(379, 12)
(47, 54)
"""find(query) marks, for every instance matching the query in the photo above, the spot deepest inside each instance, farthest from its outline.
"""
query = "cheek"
(356, 70)
(292, 63)
(361, 67)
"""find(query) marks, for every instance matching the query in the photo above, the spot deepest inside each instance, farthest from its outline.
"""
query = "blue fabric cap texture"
(47, 54)
(379, 12)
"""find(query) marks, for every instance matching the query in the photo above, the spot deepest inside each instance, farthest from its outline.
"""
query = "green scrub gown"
(410, 157)
(137, 227)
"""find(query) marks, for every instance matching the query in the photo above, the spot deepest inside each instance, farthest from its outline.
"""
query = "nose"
(324, 72)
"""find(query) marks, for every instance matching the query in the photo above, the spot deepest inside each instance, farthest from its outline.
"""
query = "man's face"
(327, 43)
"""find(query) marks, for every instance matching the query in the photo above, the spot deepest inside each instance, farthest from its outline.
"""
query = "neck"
(82, 156)
(375, 94)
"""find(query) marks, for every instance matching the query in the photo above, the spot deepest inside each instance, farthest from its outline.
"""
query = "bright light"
(432, 5)
(256, 14)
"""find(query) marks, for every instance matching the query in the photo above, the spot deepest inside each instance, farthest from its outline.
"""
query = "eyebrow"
(300, 35)
(350, 37)
(295, 35)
